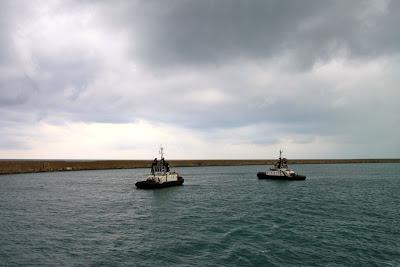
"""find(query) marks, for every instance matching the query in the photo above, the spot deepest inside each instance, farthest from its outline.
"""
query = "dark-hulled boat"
(160, 176)
(280, 171)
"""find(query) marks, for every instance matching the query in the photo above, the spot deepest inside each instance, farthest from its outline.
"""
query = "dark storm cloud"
(215, 32)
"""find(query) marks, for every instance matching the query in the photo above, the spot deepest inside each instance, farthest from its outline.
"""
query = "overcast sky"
(207, 79)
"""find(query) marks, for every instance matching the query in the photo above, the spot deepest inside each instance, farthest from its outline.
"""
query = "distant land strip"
(32, 166)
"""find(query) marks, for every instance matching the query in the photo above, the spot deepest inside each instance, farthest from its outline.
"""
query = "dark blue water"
(222, 216)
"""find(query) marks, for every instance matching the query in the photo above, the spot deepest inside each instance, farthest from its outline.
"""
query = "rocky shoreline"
(32, 166)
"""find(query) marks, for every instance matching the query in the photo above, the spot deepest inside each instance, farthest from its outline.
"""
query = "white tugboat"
(160, 176)
(280, 171)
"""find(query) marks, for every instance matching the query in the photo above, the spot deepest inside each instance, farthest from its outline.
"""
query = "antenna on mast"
(161, 151)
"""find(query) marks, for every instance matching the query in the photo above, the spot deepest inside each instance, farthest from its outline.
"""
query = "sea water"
(342, 214)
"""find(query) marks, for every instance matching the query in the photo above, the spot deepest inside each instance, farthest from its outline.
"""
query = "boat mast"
(161, 151)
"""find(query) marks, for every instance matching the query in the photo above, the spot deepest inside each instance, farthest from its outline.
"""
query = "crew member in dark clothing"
(153, 165)
(167, 166)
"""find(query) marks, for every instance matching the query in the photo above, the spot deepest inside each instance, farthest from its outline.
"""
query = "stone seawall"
(31, 166)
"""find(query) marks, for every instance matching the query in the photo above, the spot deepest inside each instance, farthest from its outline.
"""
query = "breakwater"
(31, 166)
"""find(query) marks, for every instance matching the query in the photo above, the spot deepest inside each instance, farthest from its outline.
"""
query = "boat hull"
(154, 185)
(263, 175)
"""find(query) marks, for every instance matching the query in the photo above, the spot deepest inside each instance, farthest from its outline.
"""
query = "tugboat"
(160, 176)
(280, 171)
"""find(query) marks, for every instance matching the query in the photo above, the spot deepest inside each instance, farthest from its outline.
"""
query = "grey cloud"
(215, 32)
(16, 91)
(13, 135)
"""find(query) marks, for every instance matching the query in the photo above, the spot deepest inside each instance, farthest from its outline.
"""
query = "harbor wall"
(32, 166)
